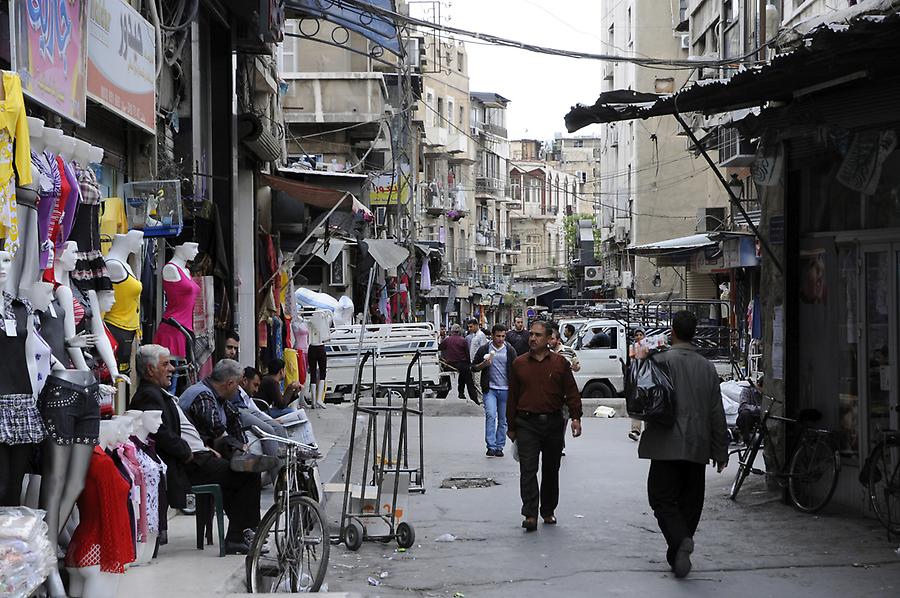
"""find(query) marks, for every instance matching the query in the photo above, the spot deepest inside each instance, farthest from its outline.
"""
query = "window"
(450, 111)
(599, 337)
(628, 32)
(289, 48)
(459, 61)
(440, 113)
(429, 103)
(462, 114)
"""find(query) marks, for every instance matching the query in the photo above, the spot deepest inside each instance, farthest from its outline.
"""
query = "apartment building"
(580, 157)
(651, 186)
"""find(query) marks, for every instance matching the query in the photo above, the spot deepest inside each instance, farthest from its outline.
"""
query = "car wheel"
(597, 390)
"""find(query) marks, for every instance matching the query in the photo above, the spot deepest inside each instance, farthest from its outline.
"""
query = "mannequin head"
(36, 133)
(5, 266)
(152, 420)
(65, 256)
(187, 251)
(82, 151)
(106, 300)
(40, 294)
(137, 422)
(96, 154)
(107, 433)
(130, 242)
(124, 428)
(67, 148)
(52, 139)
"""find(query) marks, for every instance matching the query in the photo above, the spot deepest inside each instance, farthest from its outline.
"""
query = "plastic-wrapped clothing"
(291, 367)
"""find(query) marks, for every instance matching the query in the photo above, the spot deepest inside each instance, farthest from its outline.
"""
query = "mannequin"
(63, 265)
(123, 320)
(20, 422)
(181, 294)
(319, 332)
(91, 273)
(25, 266)
(63, 215)
(146, 423)
(50, 190)
(97, 575)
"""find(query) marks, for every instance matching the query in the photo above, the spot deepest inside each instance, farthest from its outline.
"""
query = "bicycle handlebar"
(263, 435)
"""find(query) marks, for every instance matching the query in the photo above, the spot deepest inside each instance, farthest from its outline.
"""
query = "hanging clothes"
(425, 276)
(20, 420)
(50, 188)
(128, 453)
(203, 226)
(90, 269)
(102, 536)
(153, 472)
(15, 157)
(63, 214)
(291, 367)
(113, 221)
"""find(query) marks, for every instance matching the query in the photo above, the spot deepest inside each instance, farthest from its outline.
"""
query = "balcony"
(512, 246)
(435, 142)
(323, 100)
(458, 148)
(489, 187)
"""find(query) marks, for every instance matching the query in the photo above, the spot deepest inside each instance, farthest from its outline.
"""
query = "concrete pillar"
(244, 237)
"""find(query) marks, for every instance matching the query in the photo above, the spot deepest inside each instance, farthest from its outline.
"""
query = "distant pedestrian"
(568, 334)
(455, 351)
(476, 338)
(541, 383)
(518, 336)
(569, 353)
(679, 454)
(636, 424)
(495, 361)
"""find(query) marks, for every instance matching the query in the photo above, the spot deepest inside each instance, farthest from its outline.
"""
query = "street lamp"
(736, 186)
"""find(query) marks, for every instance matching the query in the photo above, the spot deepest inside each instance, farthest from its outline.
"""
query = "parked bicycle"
(812, 472)
(881, 474)
(290, 550)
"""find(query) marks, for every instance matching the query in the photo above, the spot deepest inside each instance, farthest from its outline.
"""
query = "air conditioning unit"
(735, 150)
(593, 273)
(476, 131)
(686, 42)
(380, 216)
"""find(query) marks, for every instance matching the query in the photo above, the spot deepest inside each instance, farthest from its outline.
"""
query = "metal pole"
(362, 331)
(731, 196)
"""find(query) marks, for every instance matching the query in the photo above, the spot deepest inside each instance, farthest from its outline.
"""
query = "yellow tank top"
(125, 311)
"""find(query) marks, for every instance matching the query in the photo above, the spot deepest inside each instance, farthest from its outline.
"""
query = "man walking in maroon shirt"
(541, 382)
(455, 351)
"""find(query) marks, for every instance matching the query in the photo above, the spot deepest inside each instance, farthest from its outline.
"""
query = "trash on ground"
(579, 516)
(445, 538)
(383, 575)
(458, 595)
(604, 411)
(401, 550)
(374, 582)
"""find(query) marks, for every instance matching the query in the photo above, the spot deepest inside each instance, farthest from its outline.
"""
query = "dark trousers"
(676, 490)
(539, 438)
(465, 380)
(14, 461)
(239, 490)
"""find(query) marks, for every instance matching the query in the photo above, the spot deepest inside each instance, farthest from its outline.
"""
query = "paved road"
(607, 542)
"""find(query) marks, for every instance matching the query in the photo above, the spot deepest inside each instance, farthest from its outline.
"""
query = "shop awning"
(320, 197)
(386, 253)
(676, 246)
(373, 25)
(830, 55)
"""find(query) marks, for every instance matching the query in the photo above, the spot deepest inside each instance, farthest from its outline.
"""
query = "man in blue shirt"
(495, 360)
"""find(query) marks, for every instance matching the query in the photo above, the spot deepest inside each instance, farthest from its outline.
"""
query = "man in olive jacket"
(679, 454)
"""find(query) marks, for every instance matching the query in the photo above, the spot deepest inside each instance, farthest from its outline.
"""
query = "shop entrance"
(880, 274)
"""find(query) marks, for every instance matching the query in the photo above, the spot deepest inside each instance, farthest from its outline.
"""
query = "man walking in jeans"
(495, 361)
(540, 384)
(679, 454)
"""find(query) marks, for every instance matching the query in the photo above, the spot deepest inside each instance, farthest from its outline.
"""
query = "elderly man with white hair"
(186, 447)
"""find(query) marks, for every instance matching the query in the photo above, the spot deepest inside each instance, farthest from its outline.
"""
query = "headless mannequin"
(90, 582)
(183, 254)
(26, 267)
(63, 264)
(145, 423)
(14, 457)
(121, 326)
(67, 148)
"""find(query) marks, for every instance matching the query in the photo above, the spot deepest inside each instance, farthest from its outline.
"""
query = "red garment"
(128, 454)
(103, 536)
(301, 366)
(58, 212)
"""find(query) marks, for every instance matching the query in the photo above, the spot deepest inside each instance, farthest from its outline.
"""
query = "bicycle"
(814, 466)
(290, 550)
(881, 473)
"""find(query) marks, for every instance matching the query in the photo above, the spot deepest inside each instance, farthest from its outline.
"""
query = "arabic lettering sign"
(122, 62)
(387, 190)
(50, 48)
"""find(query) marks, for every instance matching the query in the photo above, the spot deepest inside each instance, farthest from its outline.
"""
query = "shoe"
(634, 435)
(682, 564)
(250, 463)
(236, 548)
(498, 453)
(190, 506)
(490, 453)
(530, 524)
(248, 536)
(550, 520)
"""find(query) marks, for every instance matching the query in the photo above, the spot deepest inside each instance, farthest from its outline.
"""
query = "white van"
(601, 346)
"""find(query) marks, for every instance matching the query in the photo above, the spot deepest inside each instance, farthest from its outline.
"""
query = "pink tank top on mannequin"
(180, 298)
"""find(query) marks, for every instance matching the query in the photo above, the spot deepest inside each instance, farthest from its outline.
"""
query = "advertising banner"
(122, 62)
(49, 39)
(389, 190)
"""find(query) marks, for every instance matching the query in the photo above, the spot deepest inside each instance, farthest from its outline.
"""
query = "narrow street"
(607, 535)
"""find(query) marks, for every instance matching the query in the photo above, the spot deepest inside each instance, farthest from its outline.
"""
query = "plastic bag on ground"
(649, 392)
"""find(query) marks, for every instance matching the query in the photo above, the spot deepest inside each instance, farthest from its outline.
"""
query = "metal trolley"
(387, 477)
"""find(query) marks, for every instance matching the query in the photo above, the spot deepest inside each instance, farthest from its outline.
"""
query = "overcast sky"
(541, 88)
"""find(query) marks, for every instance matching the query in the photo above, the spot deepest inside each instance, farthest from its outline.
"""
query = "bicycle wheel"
(291, 548)
(745, 463)
(813, 474)
(884, 487)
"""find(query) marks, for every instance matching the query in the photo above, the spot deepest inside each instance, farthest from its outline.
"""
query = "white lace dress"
(153, 472)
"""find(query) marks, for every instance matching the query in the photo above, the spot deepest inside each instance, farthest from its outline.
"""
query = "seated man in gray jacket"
(679, 454)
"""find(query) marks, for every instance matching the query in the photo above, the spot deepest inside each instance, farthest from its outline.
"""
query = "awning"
(830, 55)
(320, 197)
(386, 252)
(673, 246)
(372, 25)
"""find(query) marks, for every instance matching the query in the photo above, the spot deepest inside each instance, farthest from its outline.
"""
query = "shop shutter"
(700, 286)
